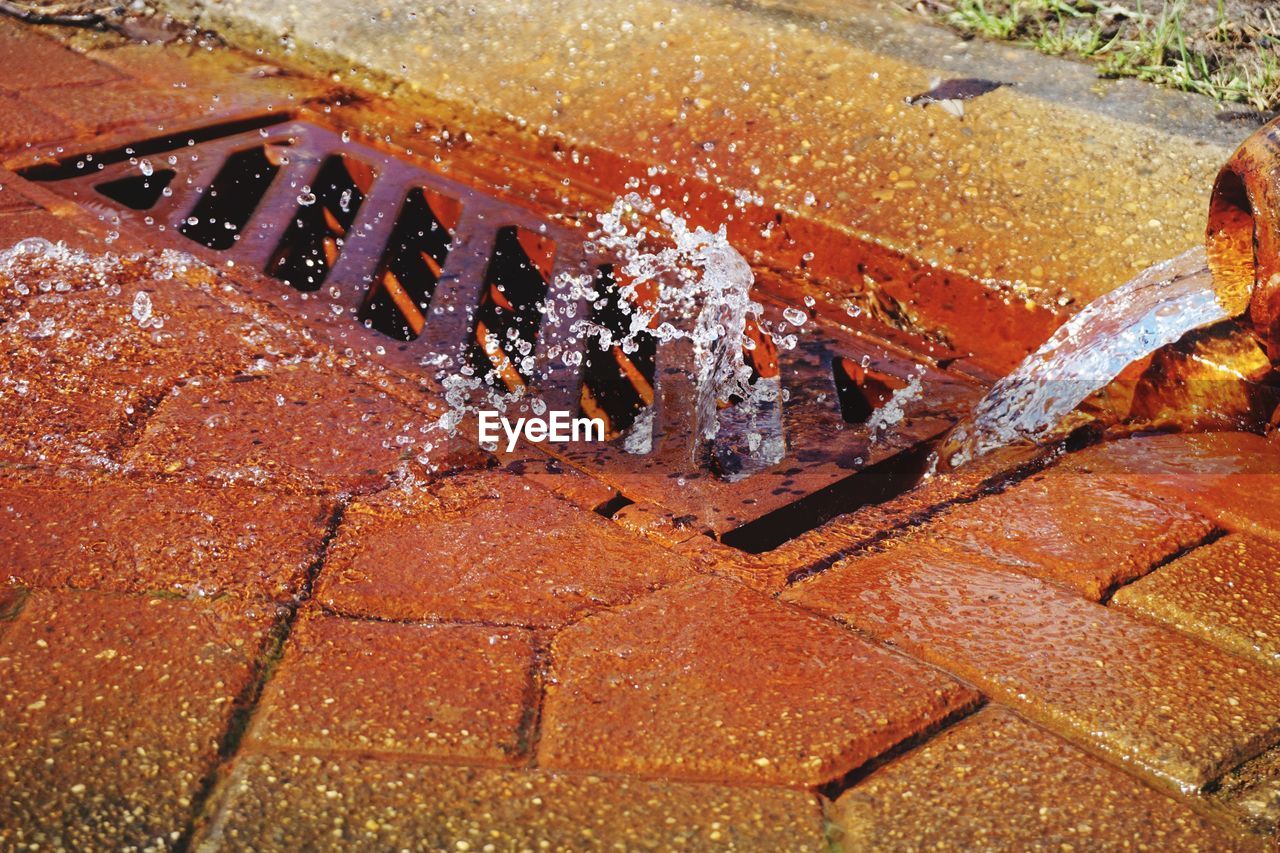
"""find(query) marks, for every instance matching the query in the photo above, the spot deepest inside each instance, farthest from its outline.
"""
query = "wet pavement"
(239, 611)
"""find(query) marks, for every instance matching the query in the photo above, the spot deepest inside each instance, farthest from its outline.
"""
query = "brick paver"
(1085, 533)
(111, 712)
(1173, 707)
(994, 782)
(712, 680)
(339, 802)
(1232, 477)
(454, 691)
(114, 534)
(1227, 593)
(307, 426)
(33, 62)
(79, 368)
(487, 547)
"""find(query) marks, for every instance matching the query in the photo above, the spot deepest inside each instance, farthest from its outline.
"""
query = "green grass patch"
(1226, 49)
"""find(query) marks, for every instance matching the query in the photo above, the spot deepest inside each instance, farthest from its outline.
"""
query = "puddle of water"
(1155, 309)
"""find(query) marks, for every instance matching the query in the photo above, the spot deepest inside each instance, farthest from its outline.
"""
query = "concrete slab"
(1060, 187)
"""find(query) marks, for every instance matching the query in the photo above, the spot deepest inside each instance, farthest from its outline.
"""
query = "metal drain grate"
(381, 254)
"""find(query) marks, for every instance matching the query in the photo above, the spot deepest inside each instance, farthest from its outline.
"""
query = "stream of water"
(1157, 308)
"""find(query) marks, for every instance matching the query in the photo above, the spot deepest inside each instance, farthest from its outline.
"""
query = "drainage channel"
(382, 255)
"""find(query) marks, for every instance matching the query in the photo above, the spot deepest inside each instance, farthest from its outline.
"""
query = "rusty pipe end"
(1243, 235)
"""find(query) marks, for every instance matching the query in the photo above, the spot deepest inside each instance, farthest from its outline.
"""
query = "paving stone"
(306, 426)
(111, 711)
(711, 680)
(78, 369)
(1173, 707)
(116, 534)
(34, 62)
(1231, 477)
(490, 547)
(316, 802)
(456, 691)
(1085, 533)
(994, 782)
(1227, 593)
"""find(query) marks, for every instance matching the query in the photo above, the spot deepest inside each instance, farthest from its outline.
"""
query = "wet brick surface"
(1085, 533)
(79, 368)
(1182, 711)
(712, 680)
(456, 691)
(1226, 593)
(300, 427)
(95, 532)
(112, 709)
(486, 547)
(1017, 788)
(337, 802)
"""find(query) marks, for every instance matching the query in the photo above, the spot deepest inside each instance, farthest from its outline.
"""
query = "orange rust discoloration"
(1244, 235)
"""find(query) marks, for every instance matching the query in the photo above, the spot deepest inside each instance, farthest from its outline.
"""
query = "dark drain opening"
(237, 189)
(397, 303)
(861, 390)
(614, 505)
(311, 245)
(875, 484)
(138, 192)
(509, 315)
(617, 384)
(76, 165)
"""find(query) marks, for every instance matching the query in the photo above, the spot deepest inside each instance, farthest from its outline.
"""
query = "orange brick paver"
(711, 680)
(79, 368)
(995, 782)
(487, 547)
(1085, 533)
(111, 712)
(286, 801)
(301, 427)
(457, 691)
(1180, 710)
(1232, 477)
(115, 534)
(1227, 593)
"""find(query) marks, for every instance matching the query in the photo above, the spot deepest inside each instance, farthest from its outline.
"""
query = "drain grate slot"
(138, 192)
(325, 212)
(396, 305)
(510, 309)
(219, 217)
(617, 383)
(861, 389)
(875, 484)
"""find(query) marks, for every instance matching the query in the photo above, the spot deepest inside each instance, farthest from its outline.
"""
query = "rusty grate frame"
(830, 467)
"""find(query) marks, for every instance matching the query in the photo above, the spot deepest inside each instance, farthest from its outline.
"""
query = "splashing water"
(681, 284)
(1157, 308)
(704, 286)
